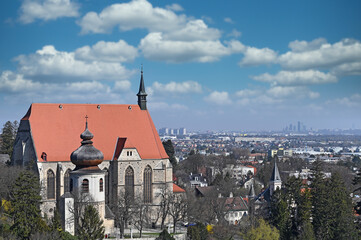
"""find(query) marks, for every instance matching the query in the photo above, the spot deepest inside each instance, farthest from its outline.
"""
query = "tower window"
(50, 184)
(101, 187)
(129, 153)
(85, 186)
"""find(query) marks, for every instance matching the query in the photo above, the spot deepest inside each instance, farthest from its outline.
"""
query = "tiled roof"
(56, 128)
(177, 189)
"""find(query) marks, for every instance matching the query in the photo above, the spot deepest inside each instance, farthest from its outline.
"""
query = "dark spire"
(86, 155)
(142, 95)
(275, 174)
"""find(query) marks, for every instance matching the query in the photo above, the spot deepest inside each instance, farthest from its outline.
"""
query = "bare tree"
(164, 205)
(140, 215)
(123, 211)
(178, 209)
(81, 200)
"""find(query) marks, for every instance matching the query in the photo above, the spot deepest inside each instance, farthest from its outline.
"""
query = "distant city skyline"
(242, 66)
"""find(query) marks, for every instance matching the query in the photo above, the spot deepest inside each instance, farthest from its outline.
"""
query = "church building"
(134, 158)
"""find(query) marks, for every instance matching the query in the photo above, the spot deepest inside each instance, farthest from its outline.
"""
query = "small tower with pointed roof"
(142, 95)
(87, 181)
(275, 181)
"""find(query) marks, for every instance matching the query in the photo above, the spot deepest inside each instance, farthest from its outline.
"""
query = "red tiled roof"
(178, 189)
(56, 131)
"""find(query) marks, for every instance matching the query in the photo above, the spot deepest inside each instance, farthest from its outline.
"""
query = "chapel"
(133, 156)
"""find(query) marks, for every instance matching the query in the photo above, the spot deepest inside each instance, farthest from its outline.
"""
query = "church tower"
(142, 95)
(87, 181)
(275, 181)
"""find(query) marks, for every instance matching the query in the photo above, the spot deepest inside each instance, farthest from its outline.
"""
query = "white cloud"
(127, 16)
(235, 33)
(247, 93)
(31, 10)
(163, 106)
(353, 68)
(122, 85)
(219, 98)
(291, 91)
(107, 51)
(155, 47)
(351, 101)
(320, 54)
(174, 7)
(304, 46)
(257, 56)
(176, 88)
(13, 83)
(228, 20)
(193, 30)
(53, 65)
(297, 78)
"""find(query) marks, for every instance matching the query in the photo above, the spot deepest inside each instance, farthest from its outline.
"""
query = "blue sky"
(222, 65)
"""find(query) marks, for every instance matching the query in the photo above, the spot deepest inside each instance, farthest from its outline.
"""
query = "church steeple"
(275, 181)
(142, 95)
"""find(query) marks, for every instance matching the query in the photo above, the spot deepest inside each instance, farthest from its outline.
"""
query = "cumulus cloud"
(107, 51)
(31, 10)
(155, 47)
(304, 46)
(122, 85)
(176, 88)
(193, 30)
(291, 91)
(219, 98)
(161, 106)
(351, 101)
(174, 7)
(247, 93)
(235, 33)
(127, 16)
(257, 56)
(320, 54)
(228, 20)
(297, 78)
(14, 83)
(51, 64)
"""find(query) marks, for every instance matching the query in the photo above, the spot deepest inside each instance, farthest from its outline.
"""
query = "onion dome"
(86, 155)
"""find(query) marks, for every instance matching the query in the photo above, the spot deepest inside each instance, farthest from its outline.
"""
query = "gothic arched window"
(85, 186)
(101, 185)
(50, 184)
(66, 181)
(129, 182)
(147, 188)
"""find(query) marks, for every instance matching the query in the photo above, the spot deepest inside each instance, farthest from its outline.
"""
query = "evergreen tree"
(280, 214)
(293, 197)
(304, 210)
(169, 149)
(8, 137)
(25, 202)
(342, 219)
(164, 235)
(321, 220)
(91, 227)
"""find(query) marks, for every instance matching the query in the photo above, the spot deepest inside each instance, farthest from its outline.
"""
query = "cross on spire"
(86, 121)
